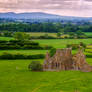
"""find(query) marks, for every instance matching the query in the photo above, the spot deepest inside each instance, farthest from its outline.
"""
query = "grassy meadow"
(61, 43)
(6, 38)
(88, 33)
(15, 76)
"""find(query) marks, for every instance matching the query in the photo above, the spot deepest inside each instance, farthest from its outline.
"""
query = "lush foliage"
(52, 51)
(45, 27)
(76, 46)
(21, 36)
(11, 56)
(35, 66)
(19, 44)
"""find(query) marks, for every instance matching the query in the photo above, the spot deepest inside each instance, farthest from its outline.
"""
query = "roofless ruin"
(64, 60)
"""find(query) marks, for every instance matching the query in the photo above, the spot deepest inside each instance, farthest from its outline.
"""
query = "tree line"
(45, 27)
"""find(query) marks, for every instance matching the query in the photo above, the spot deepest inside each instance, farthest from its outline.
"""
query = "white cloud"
(61, 7)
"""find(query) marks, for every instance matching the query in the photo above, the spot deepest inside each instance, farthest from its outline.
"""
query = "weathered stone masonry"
(64, 60)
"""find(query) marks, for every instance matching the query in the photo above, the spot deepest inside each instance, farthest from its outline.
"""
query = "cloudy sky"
(60, 7)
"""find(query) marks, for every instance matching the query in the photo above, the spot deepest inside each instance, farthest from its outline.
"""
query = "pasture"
(61, 43)
(88, 33)
(15, 76)
(42, 33)
(6, 38)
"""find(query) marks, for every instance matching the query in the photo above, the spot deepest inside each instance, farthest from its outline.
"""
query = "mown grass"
(25, 52)
(15, 77)
(61, 43)
(88, 33)
(6, 38)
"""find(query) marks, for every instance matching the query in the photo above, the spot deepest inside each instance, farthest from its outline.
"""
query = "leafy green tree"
(52, 51)
(35, 66)
(21, 36)
(58, 34)
(79, 32)
(46, 35)
(7, 34)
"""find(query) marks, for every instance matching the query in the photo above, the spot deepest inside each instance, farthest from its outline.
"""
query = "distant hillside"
(40, 16)
(34, 15)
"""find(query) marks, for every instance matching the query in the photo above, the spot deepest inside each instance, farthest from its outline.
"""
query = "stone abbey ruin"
(64, 60)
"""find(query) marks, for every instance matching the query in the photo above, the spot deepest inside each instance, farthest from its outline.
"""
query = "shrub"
(11, 56)
(89, 55)
(83, 44)
(6, 55)
(52, 51)
(16, 44)
(46, 47)
(31, 47)
(38, 56)
(73, 46)
(35, 66)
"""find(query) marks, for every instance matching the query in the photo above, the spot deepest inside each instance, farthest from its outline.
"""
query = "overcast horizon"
(80, 8)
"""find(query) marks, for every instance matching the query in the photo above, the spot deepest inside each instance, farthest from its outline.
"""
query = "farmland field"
(42, 33)
(6, 38)
(61, 43)
(26, 52)
(15, 76)
(57, 43)
(52, 34)
(88, 33)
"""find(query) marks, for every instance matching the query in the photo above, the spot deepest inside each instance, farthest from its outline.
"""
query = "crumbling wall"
(79, 62)
(64, 60)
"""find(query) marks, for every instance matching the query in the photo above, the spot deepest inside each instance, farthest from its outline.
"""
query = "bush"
(83, 44)
(35, 66)
(89, 55)
(38, 56)
(76, 46)
(52, 51)
(46, 47)
(73, 46)
(6, 55)
(11, 56)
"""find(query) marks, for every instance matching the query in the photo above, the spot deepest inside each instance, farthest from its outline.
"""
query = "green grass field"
(88, 33)
(61, 43)
(15, 76)
(6, 38)
(57, 43)
(25, 52)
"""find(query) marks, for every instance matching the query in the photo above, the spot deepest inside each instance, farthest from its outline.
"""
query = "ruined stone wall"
(79, 62)
(64, 60)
